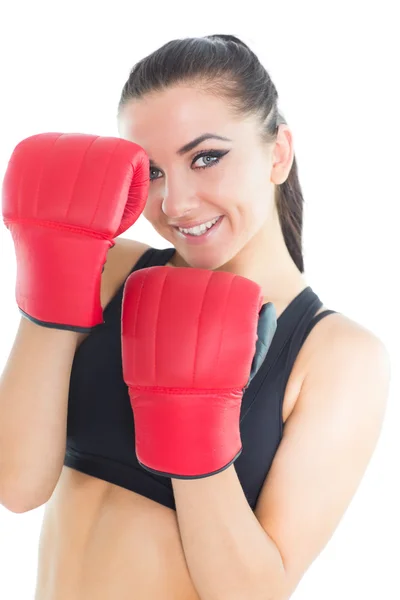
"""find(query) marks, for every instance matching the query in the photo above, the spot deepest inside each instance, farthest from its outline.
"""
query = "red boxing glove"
(65, 197)
(189, 349)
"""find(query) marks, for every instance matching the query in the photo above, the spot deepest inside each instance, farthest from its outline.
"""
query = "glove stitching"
(198, 329)
(185, 391)
(76, 179)
(57, 226)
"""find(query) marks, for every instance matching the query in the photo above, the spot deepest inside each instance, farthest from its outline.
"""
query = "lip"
(191, 224)
(200, 239)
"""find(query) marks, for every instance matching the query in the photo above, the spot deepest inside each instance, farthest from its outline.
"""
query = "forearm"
(229, 555)
(33, 414)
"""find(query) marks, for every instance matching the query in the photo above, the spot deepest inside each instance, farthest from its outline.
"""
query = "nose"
(178, 199)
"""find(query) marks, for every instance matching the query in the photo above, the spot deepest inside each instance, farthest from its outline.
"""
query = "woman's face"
(194, 184)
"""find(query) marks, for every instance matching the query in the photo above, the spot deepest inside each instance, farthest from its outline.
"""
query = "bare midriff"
(103, 542)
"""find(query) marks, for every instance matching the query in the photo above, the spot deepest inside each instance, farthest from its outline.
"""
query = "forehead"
(179, 114)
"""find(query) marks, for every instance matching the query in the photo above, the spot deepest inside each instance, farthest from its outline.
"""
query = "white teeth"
(199, 229)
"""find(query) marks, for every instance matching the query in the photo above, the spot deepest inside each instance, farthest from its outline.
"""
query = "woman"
(224, 192)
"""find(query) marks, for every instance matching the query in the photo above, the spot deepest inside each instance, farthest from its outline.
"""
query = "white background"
(63, 65)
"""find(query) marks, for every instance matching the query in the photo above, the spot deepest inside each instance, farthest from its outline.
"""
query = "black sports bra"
(100, 429)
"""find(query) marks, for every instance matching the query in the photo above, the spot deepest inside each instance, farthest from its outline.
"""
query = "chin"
(201, 260)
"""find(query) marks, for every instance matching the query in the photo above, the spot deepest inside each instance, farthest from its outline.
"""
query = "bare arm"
(34, 397)
(33, 413)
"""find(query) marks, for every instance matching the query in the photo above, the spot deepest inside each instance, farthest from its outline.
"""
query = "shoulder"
(345, 358)
(121, 258)
(338, 351)
(120, 261)
(339, 336)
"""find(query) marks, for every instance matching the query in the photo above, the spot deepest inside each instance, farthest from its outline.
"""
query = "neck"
(275, 272)
(266, 260)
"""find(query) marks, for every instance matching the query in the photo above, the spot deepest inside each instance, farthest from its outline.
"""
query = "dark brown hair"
(225, 66)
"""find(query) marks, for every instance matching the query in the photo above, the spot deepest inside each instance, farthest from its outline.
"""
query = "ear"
(267, 324)
(283, 155)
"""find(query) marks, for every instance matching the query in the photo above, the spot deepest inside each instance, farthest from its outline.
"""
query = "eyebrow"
(190, 145)
(198, 140)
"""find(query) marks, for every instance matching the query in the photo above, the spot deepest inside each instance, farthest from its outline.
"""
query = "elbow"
(21, 503)
(18, 507)
(19, 499)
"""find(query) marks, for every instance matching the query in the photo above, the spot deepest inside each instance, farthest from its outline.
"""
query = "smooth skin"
(101, 541)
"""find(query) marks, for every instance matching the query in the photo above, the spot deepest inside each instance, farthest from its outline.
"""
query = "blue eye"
(214, 155)
(153, 169)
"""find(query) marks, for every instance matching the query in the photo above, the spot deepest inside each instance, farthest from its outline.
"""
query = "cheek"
(220, 186)
(253, 194)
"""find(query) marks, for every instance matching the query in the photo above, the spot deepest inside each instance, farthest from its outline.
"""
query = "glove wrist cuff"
(187, 434)
(59, 277)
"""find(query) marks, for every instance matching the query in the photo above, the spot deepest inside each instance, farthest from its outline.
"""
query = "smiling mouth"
(199, 230)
